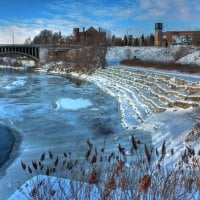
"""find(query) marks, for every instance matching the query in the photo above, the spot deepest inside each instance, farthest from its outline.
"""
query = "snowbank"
(161, 54)
(193, 58)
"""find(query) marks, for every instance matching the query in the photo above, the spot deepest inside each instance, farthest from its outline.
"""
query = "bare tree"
(92, 56)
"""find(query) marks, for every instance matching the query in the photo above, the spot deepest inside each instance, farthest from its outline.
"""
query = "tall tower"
(76, 35)
(158, 34)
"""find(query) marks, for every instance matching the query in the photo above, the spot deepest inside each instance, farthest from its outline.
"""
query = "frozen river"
(54, 113)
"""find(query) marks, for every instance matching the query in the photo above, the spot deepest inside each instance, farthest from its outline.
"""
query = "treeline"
(128, 40)
(45, 37)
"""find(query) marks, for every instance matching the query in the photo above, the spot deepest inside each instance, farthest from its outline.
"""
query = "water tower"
(76, 35)
(158, 34)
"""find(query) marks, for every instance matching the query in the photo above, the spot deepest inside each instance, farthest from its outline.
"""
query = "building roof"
(91, 29)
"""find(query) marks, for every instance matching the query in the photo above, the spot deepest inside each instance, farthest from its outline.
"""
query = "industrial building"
(175, 37)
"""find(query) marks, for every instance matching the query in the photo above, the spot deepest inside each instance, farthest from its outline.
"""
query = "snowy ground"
(179, 54)
(151, 101)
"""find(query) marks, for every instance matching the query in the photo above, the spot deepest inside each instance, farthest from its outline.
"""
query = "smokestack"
(99, 29)
(83, 29)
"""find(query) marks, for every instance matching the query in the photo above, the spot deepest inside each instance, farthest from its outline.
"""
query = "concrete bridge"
(38, 53)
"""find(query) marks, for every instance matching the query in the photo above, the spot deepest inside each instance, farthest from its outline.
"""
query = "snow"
(78, 189)
(73, 104)
(193, 58)
(161, 54)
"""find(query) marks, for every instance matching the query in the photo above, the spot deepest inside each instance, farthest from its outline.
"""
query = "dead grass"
(192, 69)
(140, 174)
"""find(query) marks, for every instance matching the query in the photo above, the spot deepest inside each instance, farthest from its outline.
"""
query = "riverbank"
(171, 66)
(7, 140)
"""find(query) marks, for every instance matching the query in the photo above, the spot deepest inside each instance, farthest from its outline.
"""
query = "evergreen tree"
(125, 40)
(142, 40)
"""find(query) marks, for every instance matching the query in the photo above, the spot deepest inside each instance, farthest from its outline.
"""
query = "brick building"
(182, 37)
(89, 37)
(175, 37)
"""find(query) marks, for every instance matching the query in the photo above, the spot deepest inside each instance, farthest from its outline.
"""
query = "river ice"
(73, 104)
(31, 108)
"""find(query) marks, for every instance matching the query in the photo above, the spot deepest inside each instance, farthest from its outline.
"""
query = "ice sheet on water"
(73, 104)
(15, 84)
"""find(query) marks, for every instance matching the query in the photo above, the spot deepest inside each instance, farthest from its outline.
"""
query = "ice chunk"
(73, 104)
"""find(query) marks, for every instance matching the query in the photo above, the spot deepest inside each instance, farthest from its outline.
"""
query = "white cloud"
(179, 10)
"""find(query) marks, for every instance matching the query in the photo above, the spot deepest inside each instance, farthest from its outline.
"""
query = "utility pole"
(13, 34)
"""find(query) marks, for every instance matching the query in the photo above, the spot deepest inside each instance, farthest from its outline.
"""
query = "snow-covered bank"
(151, 101)
(192, 58)
(179, 54)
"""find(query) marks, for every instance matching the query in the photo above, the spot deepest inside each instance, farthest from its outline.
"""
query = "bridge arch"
(22, 54)
(29, 51)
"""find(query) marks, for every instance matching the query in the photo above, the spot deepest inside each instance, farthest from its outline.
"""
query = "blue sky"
(28, 17)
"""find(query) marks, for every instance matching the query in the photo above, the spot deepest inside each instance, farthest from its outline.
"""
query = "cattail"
(42, 157)
(110, 185)
(89, 144)
(145, 182)
(34, 165)
(47, 171)
(163, 151)
(83, 172)
(65, 154)
(88, 154)
(41, 167)
(151, 150)
(23, 165)
(50, 155)
(64, 162)
(94, 159)
(121, 149)
(148, 154)
(54, 170)
(119, 167)
(56, 162)
(134, 142)
(172, 151)
(112, 155)
(157, 154)
(158, 166)
(29, 170)
(95, 151)
(69, 165)
(93, 179)
(139, 142)
(101, 158)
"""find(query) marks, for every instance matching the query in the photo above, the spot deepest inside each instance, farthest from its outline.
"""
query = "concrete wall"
(43, 54)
